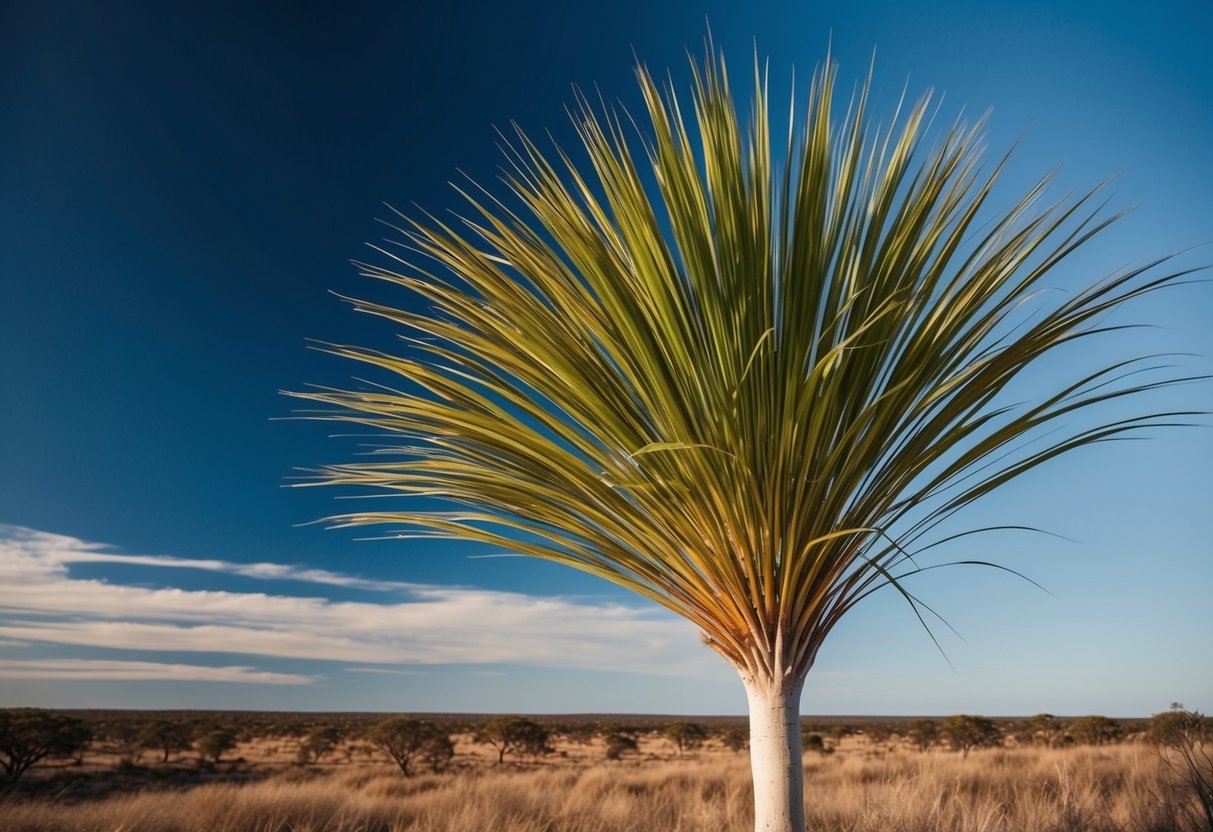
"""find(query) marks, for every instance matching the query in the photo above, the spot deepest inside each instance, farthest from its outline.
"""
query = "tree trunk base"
(775, 754)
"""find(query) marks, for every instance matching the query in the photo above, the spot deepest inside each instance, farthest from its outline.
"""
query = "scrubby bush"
(1095, 730)
(213, 744)
(1184, 740)
(618, 743)
(816, 744)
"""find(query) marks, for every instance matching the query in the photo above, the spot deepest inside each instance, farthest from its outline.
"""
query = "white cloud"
(431, 625)
(92, 669)
(80, 551)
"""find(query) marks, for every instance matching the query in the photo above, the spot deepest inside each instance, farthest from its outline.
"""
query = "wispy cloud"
(420, 624)
(107, 670)
(80, 551)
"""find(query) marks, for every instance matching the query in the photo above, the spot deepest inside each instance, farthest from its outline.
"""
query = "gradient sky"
(180, 189)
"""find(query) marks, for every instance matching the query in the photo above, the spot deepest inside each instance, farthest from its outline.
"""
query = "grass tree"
(750, 380)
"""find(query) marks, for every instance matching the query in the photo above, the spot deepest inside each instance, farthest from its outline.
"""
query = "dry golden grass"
(860, 789)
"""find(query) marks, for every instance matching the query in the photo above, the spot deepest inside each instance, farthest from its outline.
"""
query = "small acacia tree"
(686, 736)
(1041, 729)
(214, 743)
(30, 735)
(166, 736)
(965, 732)
(514, 735)
(923, 733)
(747, 381)
(319, 743)
(405, 739)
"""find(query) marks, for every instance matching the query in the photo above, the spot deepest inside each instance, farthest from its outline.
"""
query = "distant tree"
(514, 735)
(1095, 730)
(879, 731)
(580, 733)
(1041, 729)
(213, 744)
(840, 731)
(816, 744)
(965, 732)
(1184, 740)
(686, 736)
(438, 752)
(619, 742)
(736, 738)
(122, 738)
(405, 739)
(923, 733)
(319, 743)
(166, 736)
(290, 728)
(31, 735)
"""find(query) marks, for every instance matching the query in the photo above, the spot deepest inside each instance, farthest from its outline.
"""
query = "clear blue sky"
(181, 187)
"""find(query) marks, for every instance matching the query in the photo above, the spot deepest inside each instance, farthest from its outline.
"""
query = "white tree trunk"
(775, 755)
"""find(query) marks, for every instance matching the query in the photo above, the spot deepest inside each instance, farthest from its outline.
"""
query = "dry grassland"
(862, 788)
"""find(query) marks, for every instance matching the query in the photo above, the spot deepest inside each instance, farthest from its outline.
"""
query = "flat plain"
(863, 774)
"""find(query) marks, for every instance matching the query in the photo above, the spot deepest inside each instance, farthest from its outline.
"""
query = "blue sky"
(180, 189)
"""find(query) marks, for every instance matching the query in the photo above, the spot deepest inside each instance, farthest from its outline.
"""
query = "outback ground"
(860, 776)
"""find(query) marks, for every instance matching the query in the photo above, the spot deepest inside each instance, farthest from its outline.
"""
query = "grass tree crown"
(748, 385)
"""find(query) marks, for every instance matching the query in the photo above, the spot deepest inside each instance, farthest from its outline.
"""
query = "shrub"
(214, 744)
(1095, 730)
(816, 744)
(1185, 746)
(619, 743)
